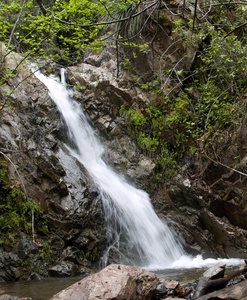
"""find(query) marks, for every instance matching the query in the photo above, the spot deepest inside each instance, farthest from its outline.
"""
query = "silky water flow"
(130, 217)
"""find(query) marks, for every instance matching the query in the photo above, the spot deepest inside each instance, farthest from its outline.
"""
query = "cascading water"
(127, 208)
(128, 212)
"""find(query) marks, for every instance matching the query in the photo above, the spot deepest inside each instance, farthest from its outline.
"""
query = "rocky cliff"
(205, 203)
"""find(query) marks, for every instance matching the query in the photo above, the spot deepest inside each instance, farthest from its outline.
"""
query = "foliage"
(135, 118)
(91, 255)
(45, 35)
(131, 26)
(63, 29)
(45, 252)
(217, 86)
(225, 60)
(209, 102)
(15, 212)
(122, 110)
(147, 128)
(210, 97)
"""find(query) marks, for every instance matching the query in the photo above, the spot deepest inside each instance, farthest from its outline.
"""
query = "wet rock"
(8, 266)
(116, 282)
(35, 276)
(161, 291)
(235, 292)
(207, 285)
(170, 284)
(68, 254)
(9, 297)
(228, 242)
(64, 269)
(217, 271)
(24, 247)
(69, 202)
(237, 214)
(173, 298)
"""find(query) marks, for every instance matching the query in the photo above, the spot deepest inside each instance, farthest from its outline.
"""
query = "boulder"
(118, 282)
(207, 285)
(63, 269)
(170, 284)
(234, 292)
(215, 272)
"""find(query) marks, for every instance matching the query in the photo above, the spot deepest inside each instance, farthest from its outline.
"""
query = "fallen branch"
(207, 285)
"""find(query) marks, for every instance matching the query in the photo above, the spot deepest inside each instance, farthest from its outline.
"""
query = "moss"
(91, 255)
(45, 251)
(165, 20)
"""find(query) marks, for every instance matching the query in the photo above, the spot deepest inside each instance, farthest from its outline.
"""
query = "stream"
(46, 288)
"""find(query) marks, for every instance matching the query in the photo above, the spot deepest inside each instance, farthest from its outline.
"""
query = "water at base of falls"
(129, 215)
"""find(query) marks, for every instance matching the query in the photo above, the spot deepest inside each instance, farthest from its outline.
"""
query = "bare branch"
(12, 32)
(194, 17)
(173, 70)
(226, 3)
(42, 8)
(242, 25)
(219, 163)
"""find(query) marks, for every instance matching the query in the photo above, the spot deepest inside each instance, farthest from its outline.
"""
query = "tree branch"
(242, 25)
(106, 23)
(42, 8)
(194, 17)
(12, 32)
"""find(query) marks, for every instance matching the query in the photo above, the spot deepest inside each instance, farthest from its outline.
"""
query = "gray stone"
(63, 269)
(170, 284)
(215, 272)
(10, 297)
(116, 282)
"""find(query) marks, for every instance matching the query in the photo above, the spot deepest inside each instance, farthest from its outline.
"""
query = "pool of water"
(37, 290)
(46, 288)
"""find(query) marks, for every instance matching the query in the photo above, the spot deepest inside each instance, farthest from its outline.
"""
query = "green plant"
(92, 255)
(122, 110)
(151, 86)
(149, 131)
(135, 118)
(45, 251)
(147, 142)
(15, 210)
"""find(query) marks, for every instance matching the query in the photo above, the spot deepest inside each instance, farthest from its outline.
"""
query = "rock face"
(32, 136)
(206, 208)
(116, 282)
(211, 203)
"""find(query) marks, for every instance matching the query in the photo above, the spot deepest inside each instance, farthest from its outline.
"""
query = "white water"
(128, 211)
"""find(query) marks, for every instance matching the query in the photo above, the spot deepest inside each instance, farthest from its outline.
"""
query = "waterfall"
(128, 210)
